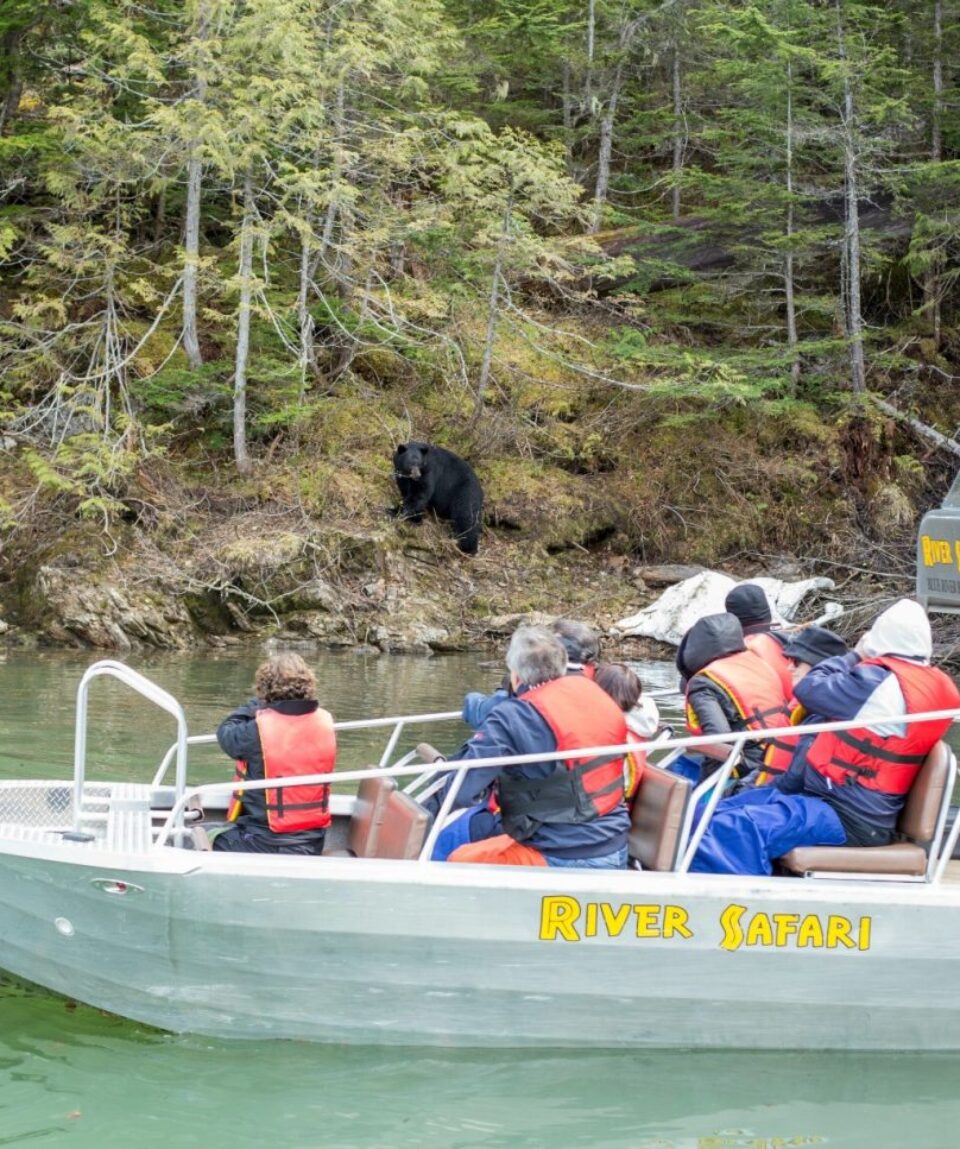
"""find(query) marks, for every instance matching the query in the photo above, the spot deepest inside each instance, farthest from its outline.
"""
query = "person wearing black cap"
(809, 647)
(749, 603)
(805, 650)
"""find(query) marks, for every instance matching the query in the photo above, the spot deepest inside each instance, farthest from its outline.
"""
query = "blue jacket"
(477, 706)
(838, 689)
(515, 727)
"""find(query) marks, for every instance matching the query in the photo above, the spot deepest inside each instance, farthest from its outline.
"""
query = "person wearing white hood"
(854, 782)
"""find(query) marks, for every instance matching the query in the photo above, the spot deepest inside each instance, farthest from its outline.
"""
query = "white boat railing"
(107, 668)
(714, 785)
(398, 724)
(700, 807)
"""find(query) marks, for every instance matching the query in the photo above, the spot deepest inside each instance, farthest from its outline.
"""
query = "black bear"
(433, 478)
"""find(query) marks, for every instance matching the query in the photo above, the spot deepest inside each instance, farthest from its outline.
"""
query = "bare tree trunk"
(788, 284)
(606, 151)
(854, 311)
(240, 454)
(334, 204)
(591, 42)
(931, 434)
(492, 309)
(678, 132)
(191, 263)
(305, 323)
(161, 215)
(191, 237)
(931, 285)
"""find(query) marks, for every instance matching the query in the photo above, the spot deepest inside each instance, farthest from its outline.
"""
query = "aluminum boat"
(110, 894)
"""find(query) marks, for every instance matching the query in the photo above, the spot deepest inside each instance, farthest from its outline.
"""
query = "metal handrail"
(689, 841)
(351, 724)
(156, 694)
(735, 738)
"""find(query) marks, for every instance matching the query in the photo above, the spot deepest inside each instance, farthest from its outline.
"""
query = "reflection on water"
(74, 1077)
(128, 736)
(71, 1076)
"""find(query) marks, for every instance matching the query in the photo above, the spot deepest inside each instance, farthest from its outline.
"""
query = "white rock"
(678, 608)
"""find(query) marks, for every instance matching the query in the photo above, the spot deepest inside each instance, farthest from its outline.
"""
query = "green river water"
(71, 1076)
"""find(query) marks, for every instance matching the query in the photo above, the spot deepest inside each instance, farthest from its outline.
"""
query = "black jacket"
(709, 639)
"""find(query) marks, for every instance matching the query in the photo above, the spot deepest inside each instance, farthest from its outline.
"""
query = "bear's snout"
(413, 473)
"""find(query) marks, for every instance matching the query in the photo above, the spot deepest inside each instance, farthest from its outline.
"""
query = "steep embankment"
(585, 486)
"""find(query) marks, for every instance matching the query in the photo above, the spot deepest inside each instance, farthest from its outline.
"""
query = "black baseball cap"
(813, 644)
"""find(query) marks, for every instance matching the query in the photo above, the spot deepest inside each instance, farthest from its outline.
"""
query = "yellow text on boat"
(567, 919)
(797, 931)
(564, 918)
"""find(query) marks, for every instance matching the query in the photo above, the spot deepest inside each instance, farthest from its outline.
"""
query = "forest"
(678, 277)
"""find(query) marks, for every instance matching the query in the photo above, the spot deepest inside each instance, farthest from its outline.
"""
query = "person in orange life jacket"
(889, 674)
(804, 650)
(565, 813)
(751, 606)
(282, 731)
(582, 645)
(583, 649)
(728, 688)
(643, 718)
(853, 783)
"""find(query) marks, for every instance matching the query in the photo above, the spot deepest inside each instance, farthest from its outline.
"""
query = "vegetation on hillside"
(649, 264)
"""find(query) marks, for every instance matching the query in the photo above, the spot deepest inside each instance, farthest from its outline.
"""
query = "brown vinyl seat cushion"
(404, 828)
(656, 818)
(386, 823)
(917, 822)
(900, 858)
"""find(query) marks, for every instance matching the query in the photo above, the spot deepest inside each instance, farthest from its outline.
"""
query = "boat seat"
(656, 818)
(917, 824)
(366, 819)
(404, 828)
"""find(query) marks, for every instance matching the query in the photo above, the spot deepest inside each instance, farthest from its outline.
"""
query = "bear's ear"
(400, 447)
(425, 449)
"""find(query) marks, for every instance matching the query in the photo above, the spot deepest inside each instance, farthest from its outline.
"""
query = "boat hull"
(371, 952)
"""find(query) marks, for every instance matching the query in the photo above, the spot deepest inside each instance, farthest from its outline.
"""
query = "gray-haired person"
(582, 645)
(566, 813)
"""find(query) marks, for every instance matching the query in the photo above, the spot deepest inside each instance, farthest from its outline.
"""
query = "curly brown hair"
(284, 676)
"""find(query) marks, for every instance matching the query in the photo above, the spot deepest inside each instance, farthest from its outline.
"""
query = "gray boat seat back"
(917, 823)
(403, 829)
(656, 818)
(373, 795)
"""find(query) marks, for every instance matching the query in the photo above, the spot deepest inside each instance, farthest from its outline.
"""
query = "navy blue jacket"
(838, 689)
(515, 727)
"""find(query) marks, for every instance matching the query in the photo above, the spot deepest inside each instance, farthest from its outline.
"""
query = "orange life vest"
(889, 762)
(766, 646)
(579, 714)
(633, 766)
(754, 688)
(293, 744)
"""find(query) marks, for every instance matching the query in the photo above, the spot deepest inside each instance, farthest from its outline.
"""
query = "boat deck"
(115, 816)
